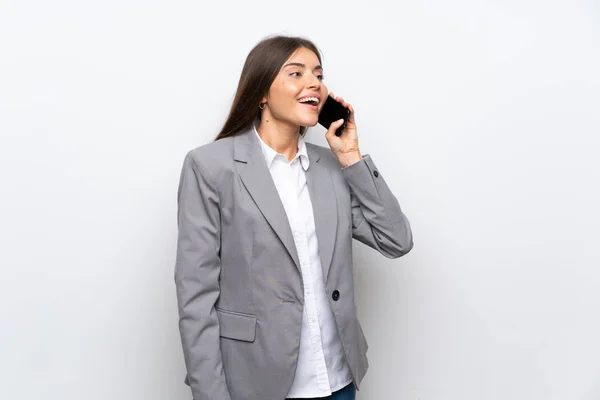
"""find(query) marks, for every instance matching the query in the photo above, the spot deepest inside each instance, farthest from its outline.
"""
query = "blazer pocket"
(236, 326)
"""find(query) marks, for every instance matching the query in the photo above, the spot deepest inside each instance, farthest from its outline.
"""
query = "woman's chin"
(309, 122)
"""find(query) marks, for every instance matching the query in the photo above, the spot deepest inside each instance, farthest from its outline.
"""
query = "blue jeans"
(347, 393)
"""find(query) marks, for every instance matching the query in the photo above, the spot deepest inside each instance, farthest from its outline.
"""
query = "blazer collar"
(256, 177)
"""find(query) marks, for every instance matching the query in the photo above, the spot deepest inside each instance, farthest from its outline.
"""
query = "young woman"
(264, 264)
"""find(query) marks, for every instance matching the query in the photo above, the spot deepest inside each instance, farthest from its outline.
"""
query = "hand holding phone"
(333, 111)
(337, 114)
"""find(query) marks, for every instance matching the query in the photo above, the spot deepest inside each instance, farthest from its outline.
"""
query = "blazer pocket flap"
(237, 326)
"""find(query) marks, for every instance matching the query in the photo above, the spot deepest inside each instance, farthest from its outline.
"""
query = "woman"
(264, 255)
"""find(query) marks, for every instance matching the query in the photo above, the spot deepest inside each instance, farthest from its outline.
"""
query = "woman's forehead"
(304, 56)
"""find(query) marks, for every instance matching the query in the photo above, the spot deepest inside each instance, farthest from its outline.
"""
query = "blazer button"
(335, 295)
(376, 173)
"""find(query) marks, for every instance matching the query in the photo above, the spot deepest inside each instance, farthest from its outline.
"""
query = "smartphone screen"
(332, 111)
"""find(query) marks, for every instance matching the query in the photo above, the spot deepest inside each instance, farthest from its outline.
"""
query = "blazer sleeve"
(197, 270)
(377, 219)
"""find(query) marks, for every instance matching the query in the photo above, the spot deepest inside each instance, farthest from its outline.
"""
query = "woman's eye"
(320, 77)
(295, 74)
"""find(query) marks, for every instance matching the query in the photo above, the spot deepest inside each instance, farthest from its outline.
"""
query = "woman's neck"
(281, 137)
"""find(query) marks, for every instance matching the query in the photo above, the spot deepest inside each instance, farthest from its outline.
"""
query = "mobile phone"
(332, 111)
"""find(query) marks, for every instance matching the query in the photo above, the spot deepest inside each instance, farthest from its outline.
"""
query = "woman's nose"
(314, 82)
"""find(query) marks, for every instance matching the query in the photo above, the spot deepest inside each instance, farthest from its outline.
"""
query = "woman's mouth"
(310, 101)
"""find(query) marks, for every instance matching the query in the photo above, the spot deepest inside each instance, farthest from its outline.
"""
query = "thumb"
(334, 126)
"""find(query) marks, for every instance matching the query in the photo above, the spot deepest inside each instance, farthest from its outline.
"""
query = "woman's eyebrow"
(297, 64)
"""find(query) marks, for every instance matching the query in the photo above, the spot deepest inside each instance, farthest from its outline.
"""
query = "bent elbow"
(399, 249)
(402, 243)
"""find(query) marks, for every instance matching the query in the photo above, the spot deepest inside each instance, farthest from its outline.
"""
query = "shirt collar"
(270, 153)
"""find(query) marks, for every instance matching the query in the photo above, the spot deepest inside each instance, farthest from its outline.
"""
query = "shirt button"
(335, 295)
(376, 173)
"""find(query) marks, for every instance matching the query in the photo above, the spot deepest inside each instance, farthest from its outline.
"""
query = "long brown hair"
(260, 70)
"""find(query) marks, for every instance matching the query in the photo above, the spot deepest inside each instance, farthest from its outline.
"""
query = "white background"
(483, 117)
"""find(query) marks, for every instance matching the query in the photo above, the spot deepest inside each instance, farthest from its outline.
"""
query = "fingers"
(333, 127)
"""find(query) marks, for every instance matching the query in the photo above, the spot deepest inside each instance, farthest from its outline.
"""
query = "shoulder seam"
(208, 173)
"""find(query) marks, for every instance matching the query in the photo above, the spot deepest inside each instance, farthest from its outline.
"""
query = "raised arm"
(377, 219)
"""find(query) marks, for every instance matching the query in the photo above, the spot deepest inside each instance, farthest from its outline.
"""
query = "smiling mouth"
(313, 101)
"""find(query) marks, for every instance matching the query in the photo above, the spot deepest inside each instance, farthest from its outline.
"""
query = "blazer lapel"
(257, 179)
(324, 204)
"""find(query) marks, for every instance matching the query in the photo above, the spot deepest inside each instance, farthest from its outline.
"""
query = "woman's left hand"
(345, 147)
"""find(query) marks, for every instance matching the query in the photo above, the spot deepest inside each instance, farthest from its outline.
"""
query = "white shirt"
(322, 368)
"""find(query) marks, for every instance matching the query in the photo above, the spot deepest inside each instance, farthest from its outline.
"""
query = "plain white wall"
(483, 117)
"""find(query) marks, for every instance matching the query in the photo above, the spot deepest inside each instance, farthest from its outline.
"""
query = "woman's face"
(297, 93)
